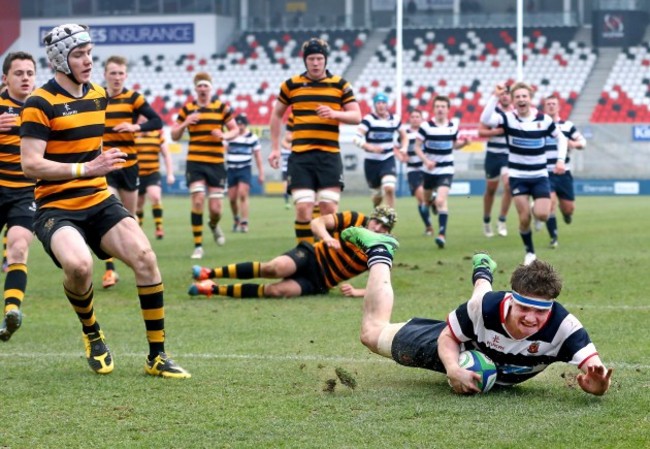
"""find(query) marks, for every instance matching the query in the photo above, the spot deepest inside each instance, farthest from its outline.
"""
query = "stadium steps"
(364, 55)
(590, 94)
(583, 35)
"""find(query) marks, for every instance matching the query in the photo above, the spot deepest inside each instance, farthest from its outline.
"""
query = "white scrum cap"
(61, 41)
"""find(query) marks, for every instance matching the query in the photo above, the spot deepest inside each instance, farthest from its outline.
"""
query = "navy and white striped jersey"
(497, 144)
(479, 324)
(240, 150)
(284, 159)
(413, 163)
(526, 139)
(286, 152)
(438, 145)
(570, 132)
(382, 133)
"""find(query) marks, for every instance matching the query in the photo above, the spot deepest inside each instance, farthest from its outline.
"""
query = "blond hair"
(522, 85)
(202, 76)
(115, 59)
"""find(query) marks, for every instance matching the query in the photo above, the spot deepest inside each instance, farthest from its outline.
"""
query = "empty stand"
(466, 65)
(626, 94)
(462, 64)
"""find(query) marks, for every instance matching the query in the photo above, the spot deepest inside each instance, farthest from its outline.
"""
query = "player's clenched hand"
(7, 121)
(463, 381)
(331, 242)
(192, 119)
(326, 112)
(108, 161)
(274, 158)
(499, 89)
(126, 127)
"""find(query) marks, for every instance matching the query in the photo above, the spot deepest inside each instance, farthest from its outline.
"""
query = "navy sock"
(551, 226)
(481, 273)
(423, 209)
(379, 254)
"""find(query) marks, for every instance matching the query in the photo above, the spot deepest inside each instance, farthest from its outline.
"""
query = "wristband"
(358, 141)
(78, 170)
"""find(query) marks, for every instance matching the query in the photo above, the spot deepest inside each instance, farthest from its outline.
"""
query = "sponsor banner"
(618, 28)
(137, 34)
(421, 5)
(464, 187)
(641, 133)
(612, 187)
(460, 188)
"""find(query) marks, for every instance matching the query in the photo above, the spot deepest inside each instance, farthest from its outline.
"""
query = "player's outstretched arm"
(595, 378)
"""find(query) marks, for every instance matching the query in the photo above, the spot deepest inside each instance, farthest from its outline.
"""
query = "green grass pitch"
(279, 373)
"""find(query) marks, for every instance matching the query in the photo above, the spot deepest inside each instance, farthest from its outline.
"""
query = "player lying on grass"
(306, 269)
(523, 330)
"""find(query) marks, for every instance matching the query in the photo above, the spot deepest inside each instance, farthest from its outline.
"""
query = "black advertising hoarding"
(618, 28)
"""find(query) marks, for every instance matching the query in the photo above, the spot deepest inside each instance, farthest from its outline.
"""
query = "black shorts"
(535, 187)
(494, 163)
(315, 170)
(432, 182)
(562, 185)
(376, 170)
(214, 175)
(17, 207)
(92, 224)
(416, 344)
(124, 178)
(239, 175)
(416, 180)
(152, 179)
(308, 273)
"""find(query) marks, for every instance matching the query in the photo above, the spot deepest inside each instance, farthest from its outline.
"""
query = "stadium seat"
(626, 94)
(455, 62)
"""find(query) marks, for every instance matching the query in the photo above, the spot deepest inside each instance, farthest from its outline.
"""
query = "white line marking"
(271, 358)
(570, 306)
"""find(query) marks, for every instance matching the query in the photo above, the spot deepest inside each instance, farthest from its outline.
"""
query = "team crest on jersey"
(533, 348)
(300, 254)
(98, 104)
(49, 224)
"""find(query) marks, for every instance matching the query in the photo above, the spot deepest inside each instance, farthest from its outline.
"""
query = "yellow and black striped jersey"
(342, 264)
(148, 147)
(304, 95)
(124, 107)
(289, 126)
(73, 129)
(11, 172)
(204, 147)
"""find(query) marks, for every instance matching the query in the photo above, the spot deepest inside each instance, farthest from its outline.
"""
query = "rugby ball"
(479, 363)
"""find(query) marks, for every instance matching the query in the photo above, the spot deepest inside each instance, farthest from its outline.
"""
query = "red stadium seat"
(626, 95)
(453, 62)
